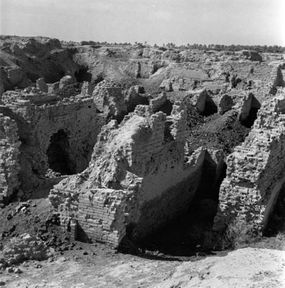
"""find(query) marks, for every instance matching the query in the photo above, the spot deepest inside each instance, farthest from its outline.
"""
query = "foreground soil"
(247, 267)
(82, 265)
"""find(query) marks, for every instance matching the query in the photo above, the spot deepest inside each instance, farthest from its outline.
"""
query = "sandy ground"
(248, 267)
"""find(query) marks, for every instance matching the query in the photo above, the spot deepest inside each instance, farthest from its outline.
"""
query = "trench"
(190, 231)
(58, 154)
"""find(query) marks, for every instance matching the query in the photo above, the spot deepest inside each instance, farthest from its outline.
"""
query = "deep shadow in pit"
(83, 75)
(248, 122)
(190, 233)
(276, 221)
(247, 118)
(58, 154)
(210, 108)
(166, 107)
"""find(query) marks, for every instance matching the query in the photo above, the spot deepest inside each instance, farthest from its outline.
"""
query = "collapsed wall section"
(109, 99)
(255, 170)
(138, 178)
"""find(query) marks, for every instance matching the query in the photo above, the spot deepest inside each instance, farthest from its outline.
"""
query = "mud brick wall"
(157, 102)
(37, 123)
(102, 213)
(255, 170)
(166, 194)
(9, 156)
(135, 178)
(109, 99)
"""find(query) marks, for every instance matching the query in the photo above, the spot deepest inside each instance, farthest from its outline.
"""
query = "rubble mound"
(23, 247)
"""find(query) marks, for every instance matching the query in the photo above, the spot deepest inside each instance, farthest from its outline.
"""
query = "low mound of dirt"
(34, 217)
(223, 132)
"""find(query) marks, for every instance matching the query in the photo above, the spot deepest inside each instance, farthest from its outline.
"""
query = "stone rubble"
(22, 248)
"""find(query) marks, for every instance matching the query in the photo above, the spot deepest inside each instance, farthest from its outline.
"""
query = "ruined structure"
(122, 137)
(139, 178)
(9, 156)
(50, 132)
(255, 170)
(203, 102)
(109, 99)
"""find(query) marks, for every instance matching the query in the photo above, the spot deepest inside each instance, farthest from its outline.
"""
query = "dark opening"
(166, 107)
(83, 75)
(167, 135)
(276, 222)
(33, 76)
(58, 154)
(249, 120)
(252, 115)
(210, 107)
(189, 233)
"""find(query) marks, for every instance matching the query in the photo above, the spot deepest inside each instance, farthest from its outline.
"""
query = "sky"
(248, 22)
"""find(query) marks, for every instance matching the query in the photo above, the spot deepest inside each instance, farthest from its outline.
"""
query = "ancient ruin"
(122, 148)
(255, 169)
(142, 144)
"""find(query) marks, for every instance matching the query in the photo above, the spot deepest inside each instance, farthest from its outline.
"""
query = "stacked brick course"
(255, 170)
(9, 156)
(138, 177)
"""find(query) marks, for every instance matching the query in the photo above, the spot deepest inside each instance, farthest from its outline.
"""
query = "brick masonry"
(137, 177)
(255, 170)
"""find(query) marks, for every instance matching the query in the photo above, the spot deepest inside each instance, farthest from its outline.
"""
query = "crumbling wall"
(248, 108)
(40, 116)
(9, 156)
(255, 170)
(203, 102)
(137, 178)
(142, 68)
(134, 97)
(109, 99)
(276, 79)
(252, 55)
(161, 103)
